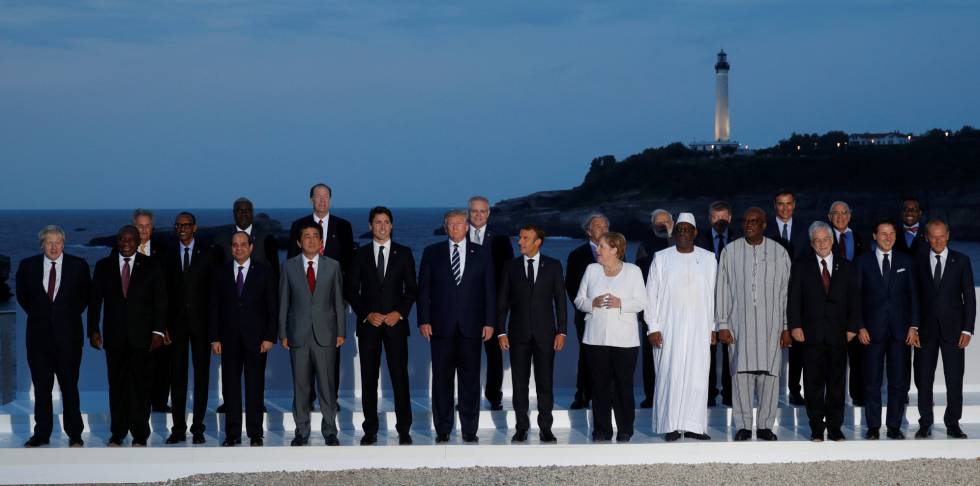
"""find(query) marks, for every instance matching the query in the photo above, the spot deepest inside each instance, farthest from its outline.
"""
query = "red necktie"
(842, 246)
(825, 276)
(322, 236)
(52, 279)
(125, 276)
(311, 277)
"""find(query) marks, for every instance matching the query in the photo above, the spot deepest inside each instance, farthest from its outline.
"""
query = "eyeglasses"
(184, 225)
(840, 213)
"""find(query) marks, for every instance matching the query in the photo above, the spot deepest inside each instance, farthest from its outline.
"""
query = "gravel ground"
(919, 471)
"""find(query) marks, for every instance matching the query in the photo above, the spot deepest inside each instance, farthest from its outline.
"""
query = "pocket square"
(900, 270)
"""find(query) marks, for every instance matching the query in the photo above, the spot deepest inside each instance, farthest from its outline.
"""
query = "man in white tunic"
(750, 309)
(681, 325)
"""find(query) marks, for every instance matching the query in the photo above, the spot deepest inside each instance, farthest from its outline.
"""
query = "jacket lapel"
(321, 277)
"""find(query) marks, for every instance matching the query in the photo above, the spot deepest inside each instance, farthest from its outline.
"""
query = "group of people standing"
(156, 307)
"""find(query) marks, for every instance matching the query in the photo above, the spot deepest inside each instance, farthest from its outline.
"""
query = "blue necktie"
(240, 281)
(455, 264)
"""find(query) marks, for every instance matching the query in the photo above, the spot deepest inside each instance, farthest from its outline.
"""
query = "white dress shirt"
(942, 258)
(387, 252)
(58, 268)
(881, 259)
(615, 327)
(132, 264)
(537, 259)
(462, 255)
(247, 231)
(830, 263)
(323, 222)
(190, 254)
(244, 266)
(788, 224)
(477, 234)
(145, 247)
(306, 264)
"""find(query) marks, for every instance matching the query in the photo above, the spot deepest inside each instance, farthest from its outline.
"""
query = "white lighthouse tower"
(722, 122)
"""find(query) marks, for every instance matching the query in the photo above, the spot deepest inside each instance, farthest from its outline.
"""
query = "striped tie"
(455, 264)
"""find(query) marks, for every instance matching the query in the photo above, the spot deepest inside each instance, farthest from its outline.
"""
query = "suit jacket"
(536, 311)
(128, 321)
(501, 250)
(265, 250)
(825, 319)
(250, 318)
(468, 306)
(919, 243)
(366, 294)
(859, 246)
(706, 240)
(188, 292)
(888, 309)
(339, 240)
(317, 316)
(799, 241)
(951, 308)
(648, 248)
(578, 260)
(58, 322)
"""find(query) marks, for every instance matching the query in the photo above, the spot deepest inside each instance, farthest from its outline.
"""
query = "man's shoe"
(711, 402)
(496, 406)
(220, 409)
(369, 439)
(672, 436)
(547, 437)
(470, 438)
(331, 440)
(743, 435)
(727, 401)
(138, 443)
(578, 404)
(623, 437)
(816, 436)
(895, 433)
(693, 435)
(857, 403)
(765, 434)
(198, 438)
(76, 442)
(872, 434)
(646, 403)
(35, 441)
(519, 436)
(440, 438)
(835, 435)
(176, 439)
(796, 399)
(299, 441)
(923, 433)
(955, 432)
(231, 442)
(256, 442)
(114, 442)
(404, 439)
(162, 408)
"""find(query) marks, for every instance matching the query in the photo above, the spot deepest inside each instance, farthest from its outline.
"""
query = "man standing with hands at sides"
(532, 292)
(456, 314)
(663, 224)
(824, 314)
(948, 310)
(579, 259)
(680, 322)
(890, 307)
(501, 252)
(53, 288)
(129, 297)
(381, 287)
(715, 240)
(161, 359)
(242, 327)
(750, 309)
(912, 240)
(312, 327)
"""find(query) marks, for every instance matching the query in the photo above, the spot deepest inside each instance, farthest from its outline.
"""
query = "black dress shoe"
(601, 438)
(176, 439)
(331, 440)
(519, 436)
(369, 439)
(162, 408)
(404, 439)
(955, 432)
(220, 409)
(646, 403)
(256, 442)
(796, 399)
(895, 433)
(547, 437)
(693, 435)
(440, 438)
(711, 402)
(299, 441)
(743, 435)
(623, 437)
(816, 436)
(857, 403)
(76, 442)
(765, 434)
(923, 433)
(726, 402)
(496, 406)
(470, 438)
(579, 404)
(672, 436)
(114, 442)
(198, 439)
(231, 442)
(35, 441)
(835, 435)
(138, 443)
(872, 434)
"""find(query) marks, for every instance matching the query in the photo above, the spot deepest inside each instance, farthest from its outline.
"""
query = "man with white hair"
(662, 224)
(594, 226)
(680, 325)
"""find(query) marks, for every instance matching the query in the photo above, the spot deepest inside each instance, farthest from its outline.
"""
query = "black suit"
(161, 359)
(368, 292)
(188, 292)
(501, 252)
(919, 242)
(709, 242)
(240, 323)
(948, 308)
(538, 312)
(578, 260)
(825, 318)
(128, 325)
(796, 246)
(54, 337)
(855, 350)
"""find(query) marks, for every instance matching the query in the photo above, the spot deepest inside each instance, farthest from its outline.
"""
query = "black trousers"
(456, 357)
(161, 360)
(129, 392)
(954, 360)
(795, 358)
(200, 354)
(583, 377)
(726, 375)
(370, 343)
(493, 389)
(824, 368)
(47, 361)
(646, 361)
(885, 358)
(542, 356)
(236, 360)
(612, 375)
(855, 365)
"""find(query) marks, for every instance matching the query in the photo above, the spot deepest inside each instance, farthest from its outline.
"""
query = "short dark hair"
(784, 192)
(538, 232)
(309, 224)
(128, 228)
(243, 201)
(320, 184)
(188, 214)
(719, 206)
(912, 198)
(887, 221)
(380, 210)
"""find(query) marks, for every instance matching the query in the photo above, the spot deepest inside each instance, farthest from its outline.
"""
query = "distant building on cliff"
(889, 138)
(722, 141)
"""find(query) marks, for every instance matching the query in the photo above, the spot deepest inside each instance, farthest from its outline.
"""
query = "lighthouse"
(722, 122)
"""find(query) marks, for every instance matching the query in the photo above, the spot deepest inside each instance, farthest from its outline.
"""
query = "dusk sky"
(117, 104)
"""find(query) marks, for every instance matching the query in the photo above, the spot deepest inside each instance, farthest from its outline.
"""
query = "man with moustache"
(721, 234)
(848, 245)
(594, 226)
(662, 223)
(162, 358)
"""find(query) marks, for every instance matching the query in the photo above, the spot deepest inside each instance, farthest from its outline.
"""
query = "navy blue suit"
(457, 314)
(890, 305)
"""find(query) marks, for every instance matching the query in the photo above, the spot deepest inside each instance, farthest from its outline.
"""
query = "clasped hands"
(376, 319)
(607, 301)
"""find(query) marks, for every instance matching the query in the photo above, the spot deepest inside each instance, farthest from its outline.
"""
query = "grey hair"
(588, 221)
(49, 229)
(243, 200)
(658, 212)
(847, 206)
(451, 213)
(142, 212)
(819, 226)
(477, 198)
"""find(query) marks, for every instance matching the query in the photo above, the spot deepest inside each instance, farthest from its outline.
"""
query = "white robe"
(681, 301)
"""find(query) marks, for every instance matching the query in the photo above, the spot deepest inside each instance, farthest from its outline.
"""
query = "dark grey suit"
(312, 322)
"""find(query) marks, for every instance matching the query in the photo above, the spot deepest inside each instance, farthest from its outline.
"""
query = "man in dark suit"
(501, 252)
(848, 245)
(242, 326)
(662, 223)
(947, 302)
(912, 240)
(824, 313)
(161, 359)
(381, 287)
(53, 289)
(532, 292)
(456, 314)
(721, 234)
(579, 259)
(790, 233)
(188, 266)
(890, 307)
(132, 289)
